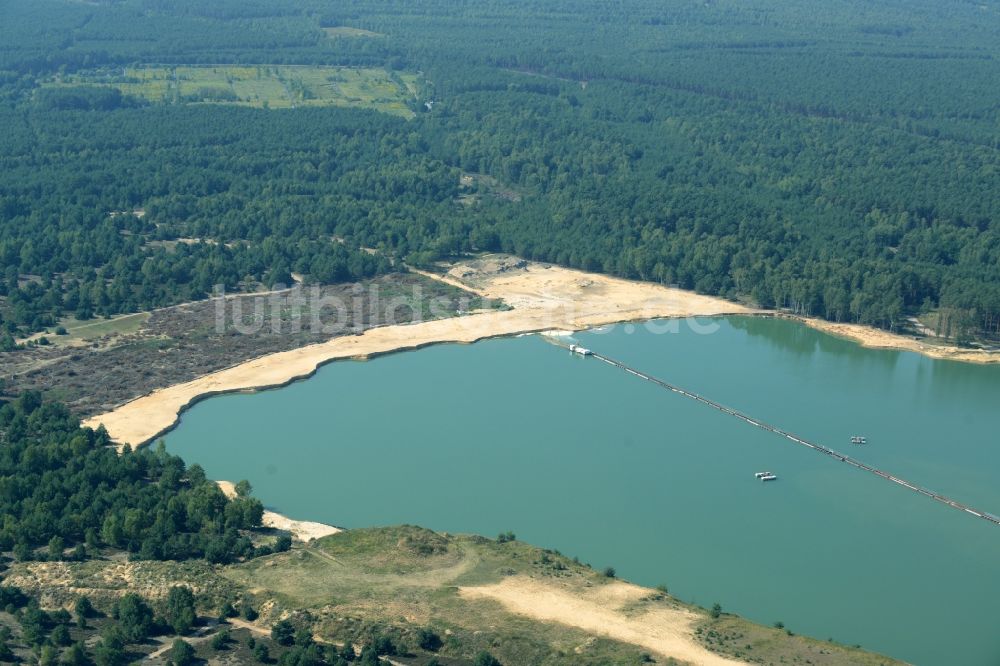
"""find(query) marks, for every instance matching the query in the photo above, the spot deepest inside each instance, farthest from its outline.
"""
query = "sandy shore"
(303, 530)
(878, 339)
(604, 611)
(543, 298)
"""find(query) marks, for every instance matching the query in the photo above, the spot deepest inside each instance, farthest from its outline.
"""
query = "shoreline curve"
(543, 298)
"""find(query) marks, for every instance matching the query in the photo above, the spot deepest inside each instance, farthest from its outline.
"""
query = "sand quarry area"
(540, 297)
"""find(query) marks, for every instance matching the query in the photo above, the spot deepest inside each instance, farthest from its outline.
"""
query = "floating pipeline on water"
(796, 439)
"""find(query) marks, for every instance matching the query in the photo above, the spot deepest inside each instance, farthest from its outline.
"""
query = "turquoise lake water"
(572, 454)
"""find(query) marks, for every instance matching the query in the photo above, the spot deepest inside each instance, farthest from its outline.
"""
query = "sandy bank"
(604, 611)
(512, 286)
(878, 339)
(303, 530)
(543, 298)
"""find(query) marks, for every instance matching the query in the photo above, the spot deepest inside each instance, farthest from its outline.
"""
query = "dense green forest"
(65, 492)
(839, 159)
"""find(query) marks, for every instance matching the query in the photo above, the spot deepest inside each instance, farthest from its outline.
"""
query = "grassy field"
(397, 581)
(409, 578)
(82, 331)
(732, 635)
(270, 86)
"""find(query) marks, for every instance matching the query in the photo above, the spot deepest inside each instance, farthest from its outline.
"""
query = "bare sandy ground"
(543, 298)
(879, 339)
(303, 530)
(604, 611)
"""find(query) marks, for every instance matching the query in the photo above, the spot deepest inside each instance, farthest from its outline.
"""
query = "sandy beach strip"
(542, 298)
(875, 338)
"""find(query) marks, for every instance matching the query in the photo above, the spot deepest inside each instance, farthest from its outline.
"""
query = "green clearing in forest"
(270, 86)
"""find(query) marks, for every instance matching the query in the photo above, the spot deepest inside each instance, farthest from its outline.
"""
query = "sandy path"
(666, 631)
(199, 636)
(240, 623)
(543, 298)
